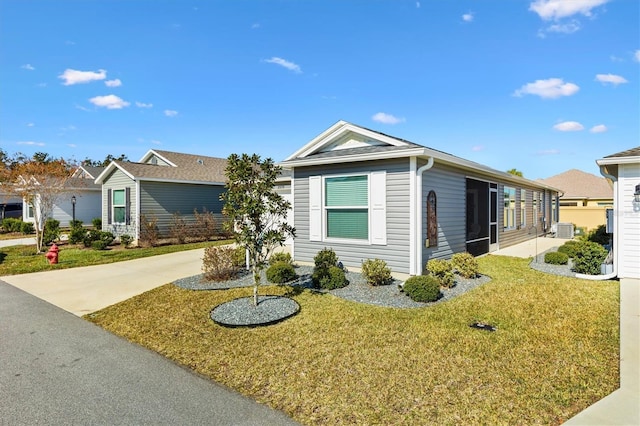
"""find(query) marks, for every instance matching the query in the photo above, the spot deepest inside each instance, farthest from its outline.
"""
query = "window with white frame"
(119, 206)
(348, 207)
(30, 212)
(523, 207)
(509, 207)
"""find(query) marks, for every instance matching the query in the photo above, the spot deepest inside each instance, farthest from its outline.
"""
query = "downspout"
(614, 274)
(420, 244)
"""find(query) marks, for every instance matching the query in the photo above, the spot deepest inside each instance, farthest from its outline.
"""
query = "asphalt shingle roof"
(633, 152)
(188, 168)
(578, 184)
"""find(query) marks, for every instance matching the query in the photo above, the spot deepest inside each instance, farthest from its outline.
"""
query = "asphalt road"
(56, 368)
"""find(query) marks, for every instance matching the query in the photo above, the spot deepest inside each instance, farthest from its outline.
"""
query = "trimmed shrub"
(51, 231)
(280, 257)
(107, 237)
(97, 223)
(599, 235)
(326, 273)
(77, 232)
(280, 273)
(556, 258)
(422, 288)
(218, 263)
(99, 245)
(333, 278)
(589, 257)
(205, 227)
(465, 264)
(240, 257)
(91, 236)
(376, 272)
(442, 270)
(569, 248)
(27, 228)
(126, 240)
(12, 224)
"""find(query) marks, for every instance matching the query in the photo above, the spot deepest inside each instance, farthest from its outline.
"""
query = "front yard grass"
(554, 353)
(22, 259)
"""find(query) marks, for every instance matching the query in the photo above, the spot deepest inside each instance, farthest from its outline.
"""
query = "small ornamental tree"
(255, 210)
(40, 181)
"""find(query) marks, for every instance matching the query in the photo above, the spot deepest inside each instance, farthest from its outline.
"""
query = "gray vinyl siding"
(450, 188)
(119, 180)
(88, 207)
(160, 200)
(395, 252)
(509, 237)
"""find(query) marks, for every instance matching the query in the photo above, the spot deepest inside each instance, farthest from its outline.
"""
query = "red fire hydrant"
(52, 254)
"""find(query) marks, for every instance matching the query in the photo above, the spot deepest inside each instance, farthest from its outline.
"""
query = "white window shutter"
(378, 202)
(315, 208)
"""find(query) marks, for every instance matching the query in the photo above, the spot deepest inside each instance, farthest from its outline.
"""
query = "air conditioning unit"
(565, 230)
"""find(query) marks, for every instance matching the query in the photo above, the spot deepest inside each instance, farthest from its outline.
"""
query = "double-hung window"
(509, 207)
(346, 206)
(119, 206)
(523, 207)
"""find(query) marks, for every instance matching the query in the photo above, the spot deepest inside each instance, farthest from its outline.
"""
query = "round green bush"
(325, 259)
(330, 278)
(569, 248)
(422, 288)
(126, 240)
(280, 257)
(589, 258)
(99, 245)
(27, 228)
(556, 258)
(280, 273)
(442, 270)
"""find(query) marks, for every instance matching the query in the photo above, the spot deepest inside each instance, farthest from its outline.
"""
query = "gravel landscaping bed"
(357, 291)
(538, 264)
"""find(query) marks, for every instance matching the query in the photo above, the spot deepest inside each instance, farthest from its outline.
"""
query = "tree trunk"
(256, 281)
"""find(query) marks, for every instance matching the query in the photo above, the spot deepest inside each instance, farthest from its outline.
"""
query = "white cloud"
(558, 9)
(385, 118)
(109, 102)
(477, 148)
(549, 152)
(636, 55)
(170, 113)
(156, 142)
(28, 67)
(143, 105)
(417, 5)
(550, 88)
(566, 28)
(284, 63)
(611, 78)
(467, 17)
(41, 85)
(600, 128)
(569, 126)
(72, 145)
(71, 77)
(31, 143)
(30, 124)
(255, 26)
(113, 83)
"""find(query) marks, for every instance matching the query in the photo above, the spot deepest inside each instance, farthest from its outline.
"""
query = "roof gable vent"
(200, 161)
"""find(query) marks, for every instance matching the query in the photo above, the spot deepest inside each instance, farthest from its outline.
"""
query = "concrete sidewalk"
(91, 288)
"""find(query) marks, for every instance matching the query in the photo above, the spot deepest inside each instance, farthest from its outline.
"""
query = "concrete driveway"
(91, 288)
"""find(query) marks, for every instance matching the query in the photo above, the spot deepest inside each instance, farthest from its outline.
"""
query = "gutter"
(418, 196)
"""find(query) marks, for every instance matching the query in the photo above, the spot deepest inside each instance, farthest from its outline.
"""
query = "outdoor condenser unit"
(565, 230)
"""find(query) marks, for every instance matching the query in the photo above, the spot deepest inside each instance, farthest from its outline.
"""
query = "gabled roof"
(346, 142)
(182, 168)
(88, 172)
(625, 157)
(577, 184)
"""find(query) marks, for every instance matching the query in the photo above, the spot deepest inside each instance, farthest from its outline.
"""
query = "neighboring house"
(584, 199)
(160, 185)
(79, 187)
(623, 170)
(10, 206)
(370, 195)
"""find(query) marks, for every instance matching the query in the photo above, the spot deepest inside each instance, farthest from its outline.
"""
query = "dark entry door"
(478, 217)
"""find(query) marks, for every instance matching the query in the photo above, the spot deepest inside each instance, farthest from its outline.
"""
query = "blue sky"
(542, 86)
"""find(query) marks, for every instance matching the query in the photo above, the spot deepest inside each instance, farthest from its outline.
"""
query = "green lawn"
(23, 259)
(554, 353)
